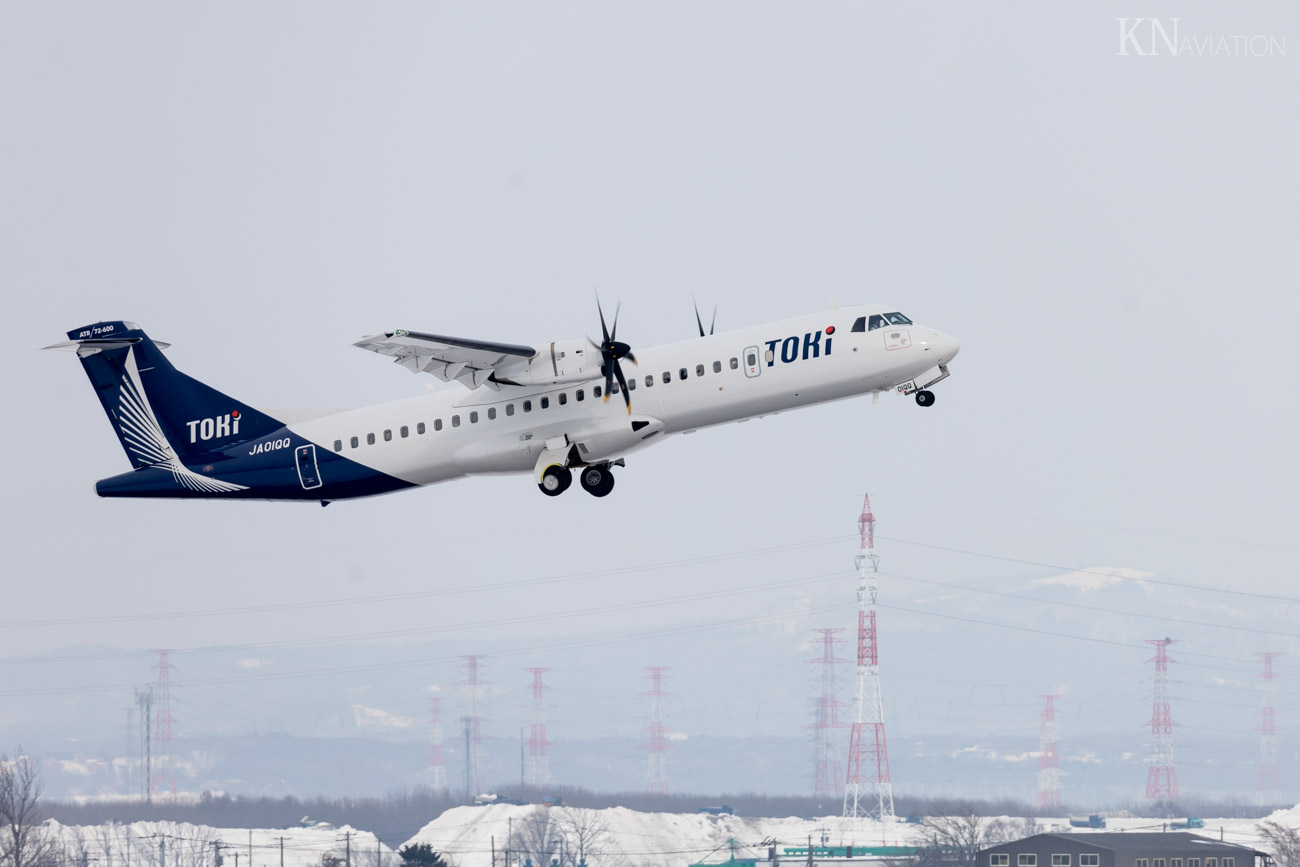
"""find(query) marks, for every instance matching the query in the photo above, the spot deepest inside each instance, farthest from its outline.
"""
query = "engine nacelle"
(561, 361)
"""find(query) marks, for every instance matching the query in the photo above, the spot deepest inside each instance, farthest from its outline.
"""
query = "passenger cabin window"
(406, 431)
(338, 445)
(1002, 860)
(355, 442)
(455, 421)
(510, 409)
(595, 391)
(717, 367)
(631, 385)
(437, 425)
(473, 417)
(613, 389)
(682, 373)
(388, 435)
(564, 398)
(545, 402)
(859, 324)
(492, 412)
(735, 362)
(668, 377)
(751, 360)
(649, 380)
(699, 370)
(1023, 860)
(528, 406)
(370, 439)
(769, 357)
(579, 395)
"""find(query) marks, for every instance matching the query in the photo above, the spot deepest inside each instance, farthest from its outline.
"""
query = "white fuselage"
(728, 377)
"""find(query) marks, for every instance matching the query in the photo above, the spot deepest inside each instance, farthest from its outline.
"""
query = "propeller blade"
(698, 321)
(603, 329)
(632, 358)
(712, 322)
(622, 383)
(613, 332)
(610, 366)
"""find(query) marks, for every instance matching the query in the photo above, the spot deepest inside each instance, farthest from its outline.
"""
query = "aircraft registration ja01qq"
(545, 409)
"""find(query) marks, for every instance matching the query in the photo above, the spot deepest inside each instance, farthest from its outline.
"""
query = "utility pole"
(469, 762)
(348, 842)
(281, 852)
(250, 847)
(162, 851)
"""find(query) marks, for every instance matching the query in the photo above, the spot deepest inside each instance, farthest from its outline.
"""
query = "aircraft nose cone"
(945, 345)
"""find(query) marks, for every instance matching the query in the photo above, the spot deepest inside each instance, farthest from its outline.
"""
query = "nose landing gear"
(925, 398)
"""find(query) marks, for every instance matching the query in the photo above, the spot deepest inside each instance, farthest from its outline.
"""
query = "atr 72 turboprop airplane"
(546, 410)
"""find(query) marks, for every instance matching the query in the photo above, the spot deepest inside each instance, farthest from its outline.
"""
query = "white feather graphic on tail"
(144, 436)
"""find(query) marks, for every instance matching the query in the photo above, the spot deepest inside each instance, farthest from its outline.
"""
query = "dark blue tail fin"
(159, 413)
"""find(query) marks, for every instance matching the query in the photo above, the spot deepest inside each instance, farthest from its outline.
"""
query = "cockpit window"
(881, 321)
(860, 324)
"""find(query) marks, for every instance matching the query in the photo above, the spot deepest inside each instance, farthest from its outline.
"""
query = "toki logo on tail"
(214, 428)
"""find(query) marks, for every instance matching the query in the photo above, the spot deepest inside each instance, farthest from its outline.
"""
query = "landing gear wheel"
(555, 480)
(925, 398)
(597, 481)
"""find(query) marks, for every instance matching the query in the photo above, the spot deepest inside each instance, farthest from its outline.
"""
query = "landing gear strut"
(555, 480)
(596, 480)
(925, 398)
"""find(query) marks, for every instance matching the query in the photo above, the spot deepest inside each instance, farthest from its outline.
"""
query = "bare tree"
(535, 838)
(586, 837)
(1282, 842)
(958, 836)
(24, 841)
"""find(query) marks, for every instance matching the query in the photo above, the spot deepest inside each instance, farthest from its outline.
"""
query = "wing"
(470, 362)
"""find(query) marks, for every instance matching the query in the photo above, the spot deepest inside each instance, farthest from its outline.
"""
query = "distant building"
(1173, 849)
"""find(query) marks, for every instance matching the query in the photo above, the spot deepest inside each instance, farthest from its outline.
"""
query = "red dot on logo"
(235, 414)
(830, 329)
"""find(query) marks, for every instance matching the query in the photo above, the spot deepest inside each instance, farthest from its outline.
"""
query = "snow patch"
(1096, 578)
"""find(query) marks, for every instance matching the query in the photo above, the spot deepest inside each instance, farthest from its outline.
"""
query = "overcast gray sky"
(1112, 238)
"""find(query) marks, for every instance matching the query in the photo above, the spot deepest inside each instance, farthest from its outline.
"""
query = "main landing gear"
(555, 480)
(925, 398)
(596, 480)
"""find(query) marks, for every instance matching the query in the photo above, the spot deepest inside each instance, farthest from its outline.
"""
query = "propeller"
(611, 351)
(700, 322)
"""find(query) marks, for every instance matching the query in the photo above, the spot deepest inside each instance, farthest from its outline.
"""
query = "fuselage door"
(751, 359)
(308, 473)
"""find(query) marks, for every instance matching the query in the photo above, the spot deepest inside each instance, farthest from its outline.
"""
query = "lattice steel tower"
(826, 719)
(1049, 775)
(656, 778)
(164, 771)
(473, 723)
(1268, 790)
(1162, 776)
(437, 749)
(539, 761)
(873, 796)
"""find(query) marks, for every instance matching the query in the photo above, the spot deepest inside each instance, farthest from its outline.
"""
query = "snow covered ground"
(468, 836)
(179, 844)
